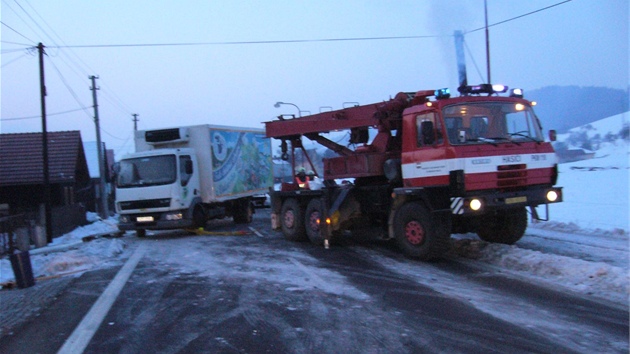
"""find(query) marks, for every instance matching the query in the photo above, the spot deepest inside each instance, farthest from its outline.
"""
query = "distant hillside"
(564, 107)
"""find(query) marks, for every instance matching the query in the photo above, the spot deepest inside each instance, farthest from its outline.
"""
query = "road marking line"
(256, 232)
(80, 338)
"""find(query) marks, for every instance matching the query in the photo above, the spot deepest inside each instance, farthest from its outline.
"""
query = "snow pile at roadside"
(69, 254)
(582, 276)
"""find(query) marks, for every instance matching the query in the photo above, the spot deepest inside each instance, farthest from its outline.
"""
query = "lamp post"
(277, 105)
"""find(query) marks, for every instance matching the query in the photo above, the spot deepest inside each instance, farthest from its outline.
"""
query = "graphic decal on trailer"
(240, 162)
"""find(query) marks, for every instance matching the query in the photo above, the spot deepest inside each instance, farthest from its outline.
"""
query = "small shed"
(22, 180)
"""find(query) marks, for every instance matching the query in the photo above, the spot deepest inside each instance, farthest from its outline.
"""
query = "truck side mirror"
(552, 135)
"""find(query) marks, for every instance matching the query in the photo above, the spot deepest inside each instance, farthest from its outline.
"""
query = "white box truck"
(182, 177)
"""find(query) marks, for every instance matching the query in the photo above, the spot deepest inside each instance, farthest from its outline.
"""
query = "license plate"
(144, 219)
(516, 200)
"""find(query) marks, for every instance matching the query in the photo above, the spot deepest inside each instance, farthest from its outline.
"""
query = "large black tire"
(141, 233)
(244, 212)
(292, 220)
(420, 234)
(312, 219)
(506, 226)
(199, 217)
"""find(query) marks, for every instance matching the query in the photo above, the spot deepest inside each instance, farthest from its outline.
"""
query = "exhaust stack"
(461, 59)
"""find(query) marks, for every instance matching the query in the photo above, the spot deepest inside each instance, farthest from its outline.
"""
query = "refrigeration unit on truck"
(182, 177)
(423, 166)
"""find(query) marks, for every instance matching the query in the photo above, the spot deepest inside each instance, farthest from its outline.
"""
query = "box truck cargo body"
(182, 177)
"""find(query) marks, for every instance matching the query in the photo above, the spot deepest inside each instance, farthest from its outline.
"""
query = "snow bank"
(586, 277)
(69, 254)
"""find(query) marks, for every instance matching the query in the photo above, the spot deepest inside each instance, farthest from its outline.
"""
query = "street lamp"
(277, 105)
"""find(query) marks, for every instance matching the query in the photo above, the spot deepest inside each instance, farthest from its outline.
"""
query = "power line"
(65, 83)
(39, 116)
(347, 39)
(33, 20)
(14, 60)
(520, 16)
(249, 42)
(16, 43)
(12, 29)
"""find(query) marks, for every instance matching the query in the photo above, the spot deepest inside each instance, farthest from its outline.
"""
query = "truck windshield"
(147, 171)
(491, 122)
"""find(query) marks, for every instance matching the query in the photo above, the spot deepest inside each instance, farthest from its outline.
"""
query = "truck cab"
(163, 181)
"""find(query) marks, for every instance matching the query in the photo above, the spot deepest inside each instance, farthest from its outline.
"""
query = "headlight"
(552, 196)
(123, 218)
(175, 216)
(475, 204)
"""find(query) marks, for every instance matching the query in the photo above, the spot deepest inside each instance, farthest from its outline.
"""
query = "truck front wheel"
(419, 234)
(312, 220)
(199, 217)
(141, 233)
(507, 226)
(292, 220)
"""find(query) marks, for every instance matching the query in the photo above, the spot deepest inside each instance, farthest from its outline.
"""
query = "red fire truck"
(424, 165)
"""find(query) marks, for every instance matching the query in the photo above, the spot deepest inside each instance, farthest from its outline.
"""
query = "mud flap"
(275, 221)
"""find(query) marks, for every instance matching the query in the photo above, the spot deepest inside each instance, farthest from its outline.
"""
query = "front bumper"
(473, 203)
(153, 221)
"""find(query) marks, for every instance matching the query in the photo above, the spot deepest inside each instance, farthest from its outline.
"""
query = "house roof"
(21, 158)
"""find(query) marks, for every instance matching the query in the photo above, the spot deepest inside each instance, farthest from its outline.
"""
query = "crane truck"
(424, 165)
(181, 177)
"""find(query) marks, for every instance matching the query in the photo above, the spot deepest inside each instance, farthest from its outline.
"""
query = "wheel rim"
(414, 233)
(314, 221)
(289, 219)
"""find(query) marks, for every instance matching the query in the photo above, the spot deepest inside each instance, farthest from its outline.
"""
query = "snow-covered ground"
(584, 247)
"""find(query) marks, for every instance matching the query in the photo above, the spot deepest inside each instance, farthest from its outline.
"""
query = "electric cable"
(520, 16)
(12, 29)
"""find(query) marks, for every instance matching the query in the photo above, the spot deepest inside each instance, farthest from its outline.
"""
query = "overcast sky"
(228, 62)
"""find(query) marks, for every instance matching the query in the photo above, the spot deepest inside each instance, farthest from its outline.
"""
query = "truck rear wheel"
(507, 226)
(292, 220)
(244, 213)
(312, 219)
(419, 234)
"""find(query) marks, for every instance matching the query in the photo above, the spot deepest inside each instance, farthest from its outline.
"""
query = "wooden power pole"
(135, 121)
(103, 210)
(47, 202)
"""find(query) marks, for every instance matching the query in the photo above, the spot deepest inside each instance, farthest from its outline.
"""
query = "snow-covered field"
(584, 248)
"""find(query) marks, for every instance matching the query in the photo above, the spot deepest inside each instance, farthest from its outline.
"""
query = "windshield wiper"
(502, 138)
(525, 136)
(484, 140)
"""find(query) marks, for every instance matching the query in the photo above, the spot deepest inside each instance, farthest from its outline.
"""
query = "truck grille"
(512, 175)
(145, 204)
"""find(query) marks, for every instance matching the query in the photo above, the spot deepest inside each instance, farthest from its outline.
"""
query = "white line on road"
(80, 338)
(256, 232)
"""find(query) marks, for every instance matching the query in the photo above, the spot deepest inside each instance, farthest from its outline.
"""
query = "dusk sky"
(191, 62)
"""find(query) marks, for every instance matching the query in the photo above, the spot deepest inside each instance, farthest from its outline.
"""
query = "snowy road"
(261, 293)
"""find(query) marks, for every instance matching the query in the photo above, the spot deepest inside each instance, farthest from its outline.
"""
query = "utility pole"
(104, 212)
(47, 206)
(135, 121)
